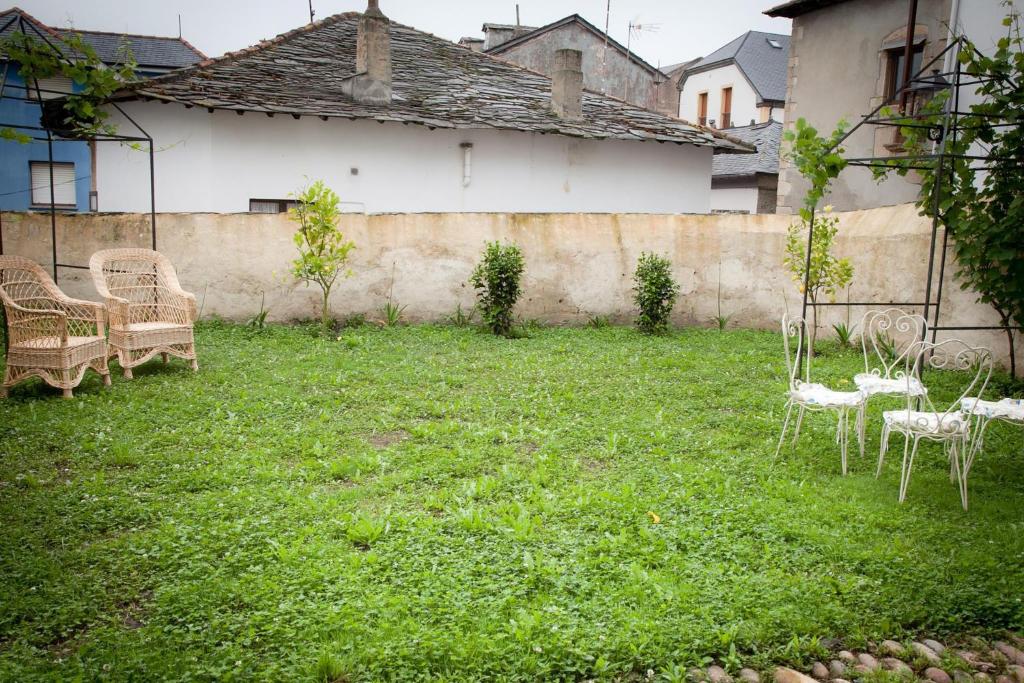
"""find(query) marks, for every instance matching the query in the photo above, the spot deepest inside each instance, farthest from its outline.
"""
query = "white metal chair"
(805, 395)
(1009, 410)
(950, 426)
(887, 336)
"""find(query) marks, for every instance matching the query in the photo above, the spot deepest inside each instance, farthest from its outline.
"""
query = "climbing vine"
(979, 202)
(78, 114)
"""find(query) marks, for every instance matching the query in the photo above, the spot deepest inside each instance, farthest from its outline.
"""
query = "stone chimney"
(567, 85)
(371, 83)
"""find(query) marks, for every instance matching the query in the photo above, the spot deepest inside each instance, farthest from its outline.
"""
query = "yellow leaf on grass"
(655, 519)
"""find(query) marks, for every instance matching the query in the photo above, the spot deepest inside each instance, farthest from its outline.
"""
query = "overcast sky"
(680, 29)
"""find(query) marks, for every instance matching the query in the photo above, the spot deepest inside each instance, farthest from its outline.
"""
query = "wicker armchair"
(50, 335)
(149, 312)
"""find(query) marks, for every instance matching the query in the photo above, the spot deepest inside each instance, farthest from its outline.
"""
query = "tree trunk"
(324, 311)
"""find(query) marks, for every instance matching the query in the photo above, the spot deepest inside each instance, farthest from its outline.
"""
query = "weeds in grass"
(844, 334)
(259, 321)
(364, 530)
(275, 509)
(462, 317)
(598, 322)
(391, 313)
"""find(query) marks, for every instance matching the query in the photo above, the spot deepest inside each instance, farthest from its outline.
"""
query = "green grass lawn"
(432, 502)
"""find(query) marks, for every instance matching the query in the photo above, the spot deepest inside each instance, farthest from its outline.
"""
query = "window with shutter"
(49, 88)
(63, 184)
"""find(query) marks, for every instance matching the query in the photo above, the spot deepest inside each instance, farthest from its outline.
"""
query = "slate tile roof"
(435, 83)
(767, 137)
(763, 64)
(151, 51)
(794, 8)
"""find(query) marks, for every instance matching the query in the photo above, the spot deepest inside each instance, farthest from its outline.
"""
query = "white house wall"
(734, 199)
(217, 162)
(744, 99)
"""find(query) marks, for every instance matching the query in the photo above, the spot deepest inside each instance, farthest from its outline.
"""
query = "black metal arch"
(43, 134)
(949, 130)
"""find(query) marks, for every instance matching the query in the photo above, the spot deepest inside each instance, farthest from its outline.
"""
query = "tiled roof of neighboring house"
(148, 51)
(572, 18)
(435, 83)
(754, 53)
(508, 27)
(794, 8)
(671, 68)
(766, 137)
(151, 51)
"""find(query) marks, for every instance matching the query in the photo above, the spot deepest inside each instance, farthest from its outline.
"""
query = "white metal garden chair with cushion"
(50, 335)
(950, 426)
(887, 336)
(149, 311)
(805, 395)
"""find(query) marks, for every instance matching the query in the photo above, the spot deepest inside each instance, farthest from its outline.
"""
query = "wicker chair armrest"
(179, 298)
(25, 324)
(117, 310)
(86, 312)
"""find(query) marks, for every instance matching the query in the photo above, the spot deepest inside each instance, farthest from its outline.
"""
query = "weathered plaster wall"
(219, 161)
(824, 88)
(605, 69)
(577, 265)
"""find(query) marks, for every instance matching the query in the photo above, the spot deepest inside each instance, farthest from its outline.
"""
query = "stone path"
(891, 661)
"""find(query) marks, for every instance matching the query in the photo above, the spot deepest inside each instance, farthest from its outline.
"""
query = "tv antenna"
(638, 29)
(312, 13)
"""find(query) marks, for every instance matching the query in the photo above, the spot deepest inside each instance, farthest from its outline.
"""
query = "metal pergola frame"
(948, 130)
(43, 134)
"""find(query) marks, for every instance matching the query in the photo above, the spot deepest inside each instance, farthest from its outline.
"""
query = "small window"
(63, 184)
(702, 109)
(271, 205)
(774, 43)
(894, 68)
(726, 107)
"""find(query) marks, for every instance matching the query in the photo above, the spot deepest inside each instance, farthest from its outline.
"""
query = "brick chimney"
(371, 83)
(567, 85)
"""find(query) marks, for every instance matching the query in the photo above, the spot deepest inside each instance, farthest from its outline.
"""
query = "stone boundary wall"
(577, 265)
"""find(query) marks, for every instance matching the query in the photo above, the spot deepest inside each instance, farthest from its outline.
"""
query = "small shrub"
(323, 249)
(598, 321)
(655, 292)
(496, 281)
(354, 320)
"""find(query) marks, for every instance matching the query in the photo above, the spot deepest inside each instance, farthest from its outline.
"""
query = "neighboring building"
(24, 168)
(748, 183)
(608, 67)
(408, 122)
(668, 92)
(870, 35)
(739, 84)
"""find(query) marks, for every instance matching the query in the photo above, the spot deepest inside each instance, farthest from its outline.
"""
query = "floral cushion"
(1007, 408)
(819, 394)
(872, 384)
(926, 422)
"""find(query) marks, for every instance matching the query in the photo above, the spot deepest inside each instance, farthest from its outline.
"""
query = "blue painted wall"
(15, 177)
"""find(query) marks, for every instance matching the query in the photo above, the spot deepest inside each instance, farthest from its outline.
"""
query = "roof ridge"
(576, 16)
(17, 10)
(177, 39)
(236, 54)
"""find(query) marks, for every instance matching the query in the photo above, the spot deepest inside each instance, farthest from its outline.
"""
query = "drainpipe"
(908, 54)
